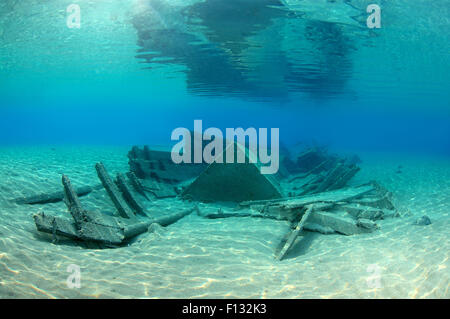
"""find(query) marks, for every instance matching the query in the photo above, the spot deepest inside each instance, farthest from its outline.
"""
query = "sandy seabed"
(224, 258)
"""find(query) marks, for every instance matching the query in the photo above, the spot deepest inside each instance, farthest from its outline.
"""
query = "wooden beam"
(128, 195)
(345, 177)
(343, 225)
(137, 184)
(107, 230)
(138, 228)
(54, 197)
(72, 202)
(113, 192)
(331, 178)
(293, 235)
(343, 194)
(55, 225)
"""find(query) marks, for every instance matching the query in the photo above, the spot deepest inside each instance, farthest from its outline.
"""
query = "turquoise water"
(312, 68)
(135, 70)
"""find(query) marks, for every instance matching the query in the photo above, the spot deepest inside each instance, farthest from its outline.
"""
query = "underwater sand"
(224, 258)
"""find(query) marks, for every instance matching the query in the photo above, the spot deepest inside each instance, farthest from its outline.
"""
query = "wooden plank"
(128, 195)
(164, 191)
(54, 197)
(106, 229)
(343, 194)
(331, 178)
(136, 184)
(72, 202)
(101, 233)
(341, 182)
(380, 202)
(86, 231)
(327, 197)
(55, 225)
(113, 192)
(150, 184)
(139, 228)
(293, 235)
(321, 166)
(340, 224)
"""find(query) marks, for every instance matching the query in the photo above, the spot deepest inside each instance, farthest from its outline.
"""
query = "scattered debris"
(293, 235)
(312, 194)
(98, 227)
(46, 198)
(158, 165)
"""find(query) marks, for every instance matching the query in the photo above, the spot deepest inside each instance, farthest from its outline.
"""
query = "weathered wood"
(136, 184)
(322, 166)
(56, 225)
(112, 231)
(102, 233)
(86, 231)
(164, 190)
(128, 195)
(73, 203)
(330, 196)
(342, 181)
(331, 178)
(293, 235)
(147, 154)
(122, 207)
(344, 194)
(46, 198)
(367, 212)
(91, 226)
(147, 163)
(310, 158)
(219, 214)
(340, 224)
(138, 228)
(377, 202)
(150, 184)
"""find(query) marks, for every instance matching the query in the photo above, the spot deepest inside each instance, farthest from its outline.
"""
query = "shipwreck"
(311, 192)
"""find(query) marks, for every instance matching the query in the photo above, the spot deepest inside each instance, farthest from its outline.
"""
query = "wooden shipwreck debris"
(293, 235)
(317, 171)
(128, 195)
(94, 226)
(137, 185)
(311, 195)
(154, 164)
(233, 182)
(113, 192)
(46, 198)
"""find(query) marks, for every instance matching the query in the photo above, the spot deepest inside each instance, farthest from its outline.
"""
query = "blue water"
(134, 71)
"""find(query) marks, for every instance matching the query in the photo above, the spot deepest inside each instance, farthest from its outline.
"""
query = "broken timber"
(344, 194)
(122, 207)
(293, 235)
(54, 197)
(93, 226)
(158, 165)
(136, 184)
(128, 195)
